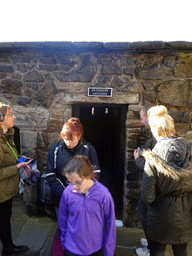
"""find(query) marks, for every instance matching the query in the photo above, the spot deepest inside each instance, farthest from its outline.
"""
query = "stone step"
(35, 234)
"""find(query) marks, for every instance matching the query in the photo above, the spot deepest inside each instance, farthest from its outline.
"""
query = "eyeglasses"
(78, 183)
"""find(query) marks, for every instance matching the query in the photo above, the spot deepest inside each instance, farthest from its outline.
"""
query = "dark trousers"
(142, 213)
(142, 209)
(68, 253)
(157, 249)
(5, 223)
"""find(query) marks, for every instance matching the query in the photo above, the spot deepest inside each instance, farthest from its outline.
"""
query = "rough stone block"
(183, 67)
(6, 68)
(182, 127)
(175, 93)
(28, 139)
(33, 76)
(11, 86)
(155, 71)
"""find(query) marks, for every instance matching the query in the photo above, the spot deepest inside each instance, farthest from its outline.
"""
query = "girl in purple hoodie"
(86, 212)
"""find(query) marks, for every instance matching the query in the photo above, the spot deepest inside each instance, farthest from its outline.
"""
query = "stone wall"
(41, 81)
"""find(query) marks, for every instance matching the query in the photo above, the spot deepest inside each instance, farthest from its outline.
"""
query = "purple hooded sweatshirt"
(87, 222)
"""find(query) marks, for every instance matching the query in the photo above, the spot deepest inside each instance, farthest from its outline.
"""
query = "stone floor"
(38, 233)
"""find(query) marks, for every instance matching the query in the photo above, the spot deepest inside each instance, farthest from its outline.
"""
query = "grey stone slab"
(129, 237)
(117, 45)
(125, 251)
(46, 251)
(91, 44)
(34, 233)
(147, 45)
(180, 44)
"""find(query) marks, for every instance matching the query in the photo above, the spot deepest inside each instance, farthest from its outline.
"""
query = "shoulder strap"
(8, 144)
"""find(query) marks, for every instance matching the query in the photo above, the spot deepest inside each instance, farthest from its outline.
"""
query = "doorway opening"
(104, 128)
(17, 139)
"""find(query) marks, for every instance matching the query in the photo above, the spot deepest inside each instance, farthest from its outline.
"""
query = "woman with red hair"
(71, 143)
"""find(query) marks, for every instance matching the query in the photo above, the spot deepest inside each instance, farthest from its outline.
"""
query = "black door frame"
(119, 154)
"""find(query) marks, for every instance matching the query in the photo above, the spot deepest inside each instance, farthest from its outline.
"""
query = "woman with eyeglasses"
(71, 143)
(9, 178)
(86, 212)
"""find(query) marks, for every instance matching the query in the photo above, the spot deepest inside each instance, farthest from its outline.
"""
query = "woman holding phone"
(9, 179)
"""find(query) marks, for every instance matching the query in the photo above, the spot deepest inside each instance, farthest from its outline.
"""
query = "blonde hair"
(160, 120)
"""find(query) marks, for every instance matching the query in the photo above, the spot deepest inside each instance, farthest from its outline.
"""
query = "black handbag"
(46, 196)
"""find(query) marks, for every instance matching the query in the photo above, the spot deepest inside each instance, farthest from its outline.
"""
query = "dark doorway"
(17, 139)
(104, 128)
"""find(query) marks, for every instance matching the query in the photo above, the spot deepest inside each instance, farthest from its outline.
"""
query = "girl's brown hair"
(72, 127)
(80, 165)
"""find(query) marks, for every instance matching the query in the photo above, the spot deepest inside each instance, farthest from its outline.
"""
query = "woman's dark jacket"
(166, 187)
(58, 156)
(140, 161)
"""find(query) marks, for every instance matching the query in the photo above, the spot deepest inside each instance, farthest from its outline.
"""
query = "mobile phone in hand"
(25, 159)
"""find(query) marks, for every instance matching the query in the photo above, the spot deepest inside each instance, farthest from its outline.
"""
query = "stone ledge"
(181, 44)
(148, 45)
(88, 45)
(117, 45)
(140, 45)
